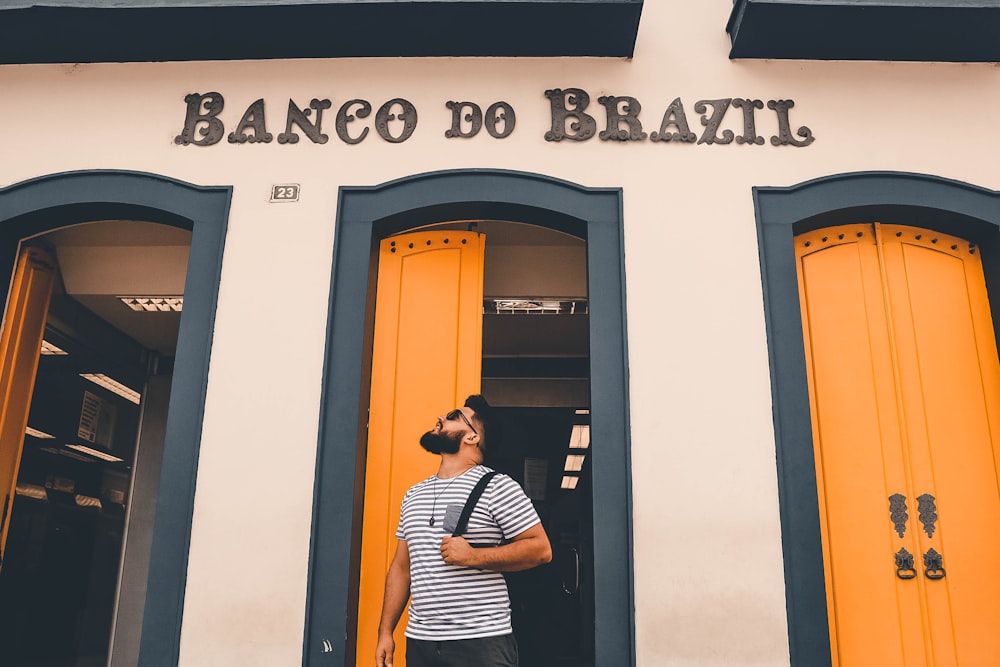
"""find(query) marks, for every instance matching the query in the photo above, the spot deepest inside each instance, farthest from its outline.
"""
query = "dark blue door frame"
(367, 214)
(943, 205)
(59, 200)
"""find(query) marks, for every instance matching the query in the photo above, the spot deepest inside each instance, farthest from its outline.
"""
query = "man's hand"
(397, 592)
(527, 550)
(456, 551)
(383, 653)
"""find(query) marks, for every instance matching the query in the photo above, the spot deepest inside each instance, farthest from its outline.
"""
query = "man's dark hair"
(485, 415)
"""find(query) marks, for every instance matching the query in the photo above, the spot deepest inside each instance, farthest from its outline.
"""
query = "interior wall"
(557, 270)
(138, 537)
(551, 270)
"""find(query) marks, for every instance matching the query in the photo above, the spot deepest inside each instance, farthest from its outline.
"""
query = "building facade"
(726, 270)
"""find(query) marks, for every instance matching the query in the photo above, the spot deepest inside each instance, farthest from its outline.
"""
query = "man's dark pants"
(482, 652)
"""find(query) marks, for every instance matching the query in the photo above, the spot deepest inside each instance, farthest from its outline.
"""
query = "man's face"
(446, 436)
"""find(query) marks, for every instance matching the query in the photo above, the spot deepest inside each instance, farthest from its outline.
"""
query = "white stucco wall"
(708, 565)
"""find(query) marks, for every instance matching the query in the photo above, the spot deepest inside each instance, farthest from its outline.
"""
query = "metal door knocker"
(904, 565)
(933, 565)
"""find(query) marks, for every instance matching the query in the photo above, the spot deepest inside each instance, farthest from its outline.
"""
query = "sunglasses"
(455, 414)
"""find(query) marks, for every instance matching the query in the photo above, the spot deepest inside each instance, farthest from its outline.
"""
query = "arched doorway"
(905, 281)
(368, 215)
(34, 208)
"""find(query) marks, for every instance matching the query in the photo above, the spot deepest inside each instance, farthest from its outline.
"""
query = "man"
(460, 610)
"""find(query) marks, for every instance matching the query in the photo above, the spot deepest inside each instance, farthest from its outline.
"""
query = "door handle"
(904, 564)
(933, 565)
(576, 574)
(927, 509)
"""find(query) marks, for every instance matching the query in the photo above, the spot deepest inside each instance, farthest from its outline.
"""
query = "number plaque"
(285, 192)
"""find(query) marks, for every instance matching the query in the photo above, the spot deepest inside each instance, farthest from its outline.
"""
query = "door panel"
(899, 334)
(20, 342)
(952, 403)
(426, 358)
(858, 446)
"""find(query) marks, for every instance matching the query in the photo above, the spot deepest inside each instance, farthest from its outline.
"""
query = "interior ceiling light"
(570, 482)
(113, 385)
(583, 411)
(35, 433)
(70, 455)
(534, 306)
(154, 304)
(580, 437)
(48, 349)
(574, 462)
(31, 491)
(87, 501)
(96, 453)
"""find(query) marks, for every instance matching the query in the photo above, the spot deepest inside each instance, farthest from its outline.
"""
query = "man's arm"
(397, 592)
(527, 550)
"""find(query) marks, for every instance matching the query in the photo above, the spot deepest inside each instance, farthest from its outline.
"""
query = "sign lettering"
(570, 118)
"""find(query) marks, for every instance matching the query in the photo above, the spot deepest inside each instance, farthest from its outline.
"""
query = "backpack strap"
(470, 504)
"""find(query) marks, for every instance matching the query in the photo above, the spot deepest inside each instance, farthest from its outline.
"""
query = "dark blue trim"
(367, 214)
(157, 30)
(948, 206)
(59, 200)
(928, 30)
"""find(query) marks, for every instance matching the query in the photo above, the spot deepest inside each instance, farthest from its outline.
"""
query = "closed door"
(426, 359)
(904, 388)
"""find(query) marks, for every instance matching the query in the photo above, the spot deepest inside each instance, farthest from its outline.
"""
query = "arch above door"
(367, 214)
(49, 202)
(943, 205)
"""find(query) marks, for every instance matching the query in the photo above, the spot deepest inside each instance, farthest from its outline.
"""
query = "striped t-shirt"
(449, 601)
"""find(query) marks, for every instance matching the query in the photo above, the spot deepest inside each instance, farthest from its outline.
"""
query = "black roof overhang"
(917, 30)
(72, 31)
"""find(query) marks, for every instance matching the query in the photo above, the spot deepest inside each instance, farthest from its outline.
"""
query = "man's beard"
(439, 443)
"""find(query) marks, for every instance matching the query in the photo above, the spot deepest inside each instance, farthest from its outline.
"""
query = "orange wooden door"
(426, 358)
(20, 343)
(904, 386)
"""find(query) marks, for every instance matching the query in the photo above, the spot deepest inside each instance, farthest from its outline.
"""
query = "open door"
(20, 342)
(904, 385)
(426, 359)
